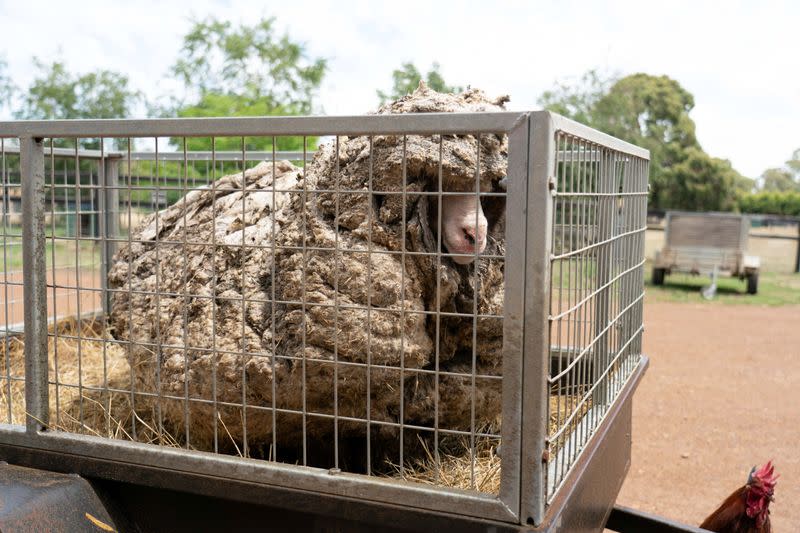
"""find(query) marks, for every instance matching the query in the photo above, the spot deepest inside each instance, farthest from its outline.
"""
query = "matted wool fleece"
(197, 292)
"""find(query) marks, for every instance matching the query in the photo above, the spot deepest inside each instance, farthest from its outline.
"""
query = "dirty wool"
(280, 305)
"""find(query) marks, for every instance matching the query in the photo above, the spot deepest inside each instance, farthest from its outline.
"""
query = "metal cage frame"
(526, 356)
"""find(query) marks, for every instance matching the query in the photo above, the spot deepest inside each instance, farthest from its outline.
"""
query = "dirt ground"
(65, 295)
(722, 394)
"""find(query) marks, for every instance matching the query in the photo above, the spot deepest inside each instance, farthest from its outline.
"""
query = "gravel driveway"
(722, 394)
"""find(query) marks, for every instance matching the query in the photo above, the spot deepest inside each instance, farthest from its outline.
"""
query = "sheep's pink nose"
(469, 235)
(474, 237)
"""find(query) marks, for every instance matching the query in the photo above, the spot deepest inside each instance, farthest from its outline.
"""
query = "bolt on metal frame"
(572, 321)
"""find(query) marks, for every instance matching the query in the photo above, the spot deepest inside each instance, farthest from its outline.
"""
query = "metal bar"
(337, 269)
(536, 347)
(592, 135)
(55, 293)
(797, 259)
(179, 188)
(214, 276)
(411, 123)
(37, 405)
(78, 232)
(628, 520)
(105, 261)
(303, 306)
(204, 155)
(513, 312)
(4, 206)
(437, 338)
(370, 222)
(605, 269)
(404, 229)
(243, 252)
(70, 152)
(197, 155)
(129, 278)
(109, 213)
(186, 300)
(260, 473)
(760, 236)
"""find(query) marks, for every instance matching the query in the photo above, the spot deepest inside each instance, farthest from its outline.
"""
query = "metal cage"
(571, 314)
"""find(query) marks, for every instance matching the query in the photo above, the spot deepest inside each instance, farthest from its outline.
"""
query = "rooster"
(747, 509)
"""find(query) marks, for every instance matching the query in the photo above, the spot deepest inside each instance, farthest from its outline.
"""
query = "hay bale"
(203, 324)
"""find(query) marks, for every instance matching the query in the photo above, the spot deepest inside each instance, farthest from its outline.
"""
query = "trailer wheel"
(658, 276)
(752, 283)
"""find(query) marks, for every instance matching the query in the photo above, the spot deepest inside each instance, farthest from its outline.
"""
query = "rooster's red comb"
(764, 476)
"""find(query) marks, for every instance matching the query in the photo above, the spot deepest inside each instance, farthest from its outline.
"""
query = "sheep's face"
(464, 227)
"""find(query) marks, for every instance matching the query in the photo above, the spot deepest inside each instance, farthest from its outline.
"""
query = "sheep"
(287, 295)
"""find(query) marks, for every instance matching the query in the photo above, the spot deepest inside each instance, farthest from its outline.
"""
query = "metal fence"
(550, 351)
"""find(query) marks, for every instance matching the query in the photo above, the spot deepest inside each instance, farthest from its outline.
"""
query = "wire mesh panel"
(596, 293)
(345, 313)
(12, 374)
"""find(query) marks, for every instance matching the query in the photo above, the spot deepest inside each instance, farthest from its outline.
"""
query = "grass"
(88, 254)
(774, 289)
(64, 242)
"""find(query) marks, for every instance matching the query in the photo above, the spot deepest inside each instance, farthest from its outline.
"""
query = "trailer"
(708, 244)
(565, 366)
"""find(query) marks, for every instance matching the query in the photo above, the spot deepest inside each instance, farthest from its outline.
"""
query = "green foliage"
(743, 185)
(406, 80)
(233, 105)
(783, 179)
(778, 192)
(698, 182)
(793, 164)
(653, 112)
(577, 100)
(771, 202)
(244, 71)
(7, 88)
(58, 94)
(779, 180)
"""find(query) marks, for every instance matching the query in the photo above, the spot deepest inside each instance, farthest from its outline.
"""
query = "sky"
(739, 59)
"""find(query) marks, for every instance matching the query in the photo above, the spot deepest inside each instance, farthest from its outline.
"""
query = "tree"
(783, 179)
(793, 164)
(244, 71)
(7, 89)
(778, 180)
(56, 93)
(577, 100)
(653, 112)
(699, 182)
(406, 79)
